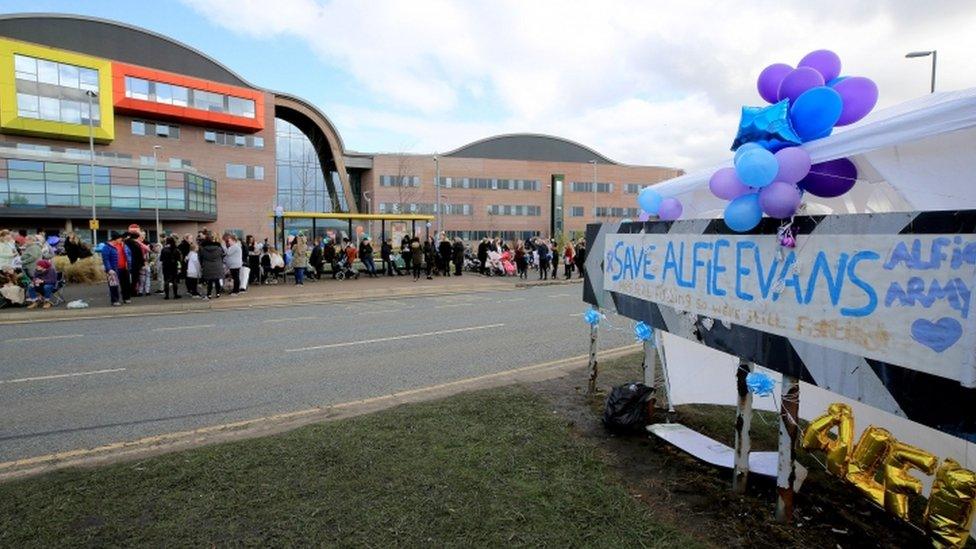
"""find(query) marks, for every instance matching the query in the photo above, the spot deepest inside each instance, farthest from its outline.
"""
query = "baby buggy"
(494, 266)
(471, 263)
(508, 264)
(344, 270)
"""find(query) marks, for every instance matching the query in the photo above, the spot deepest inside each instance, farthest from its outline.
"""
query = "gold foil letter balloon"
(898, 482)
(838, 449)
(867, 457)
(949, 514)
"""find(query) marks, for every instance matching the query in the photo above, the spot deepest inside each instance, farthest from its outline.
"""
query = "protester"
(233, 260)
(315, 258)
(329, 255)
(211, 265)
(580, 258)
(483, 255)
(45, 280)
(542, 249)
(169, 262)
(444, 252)
(458, 249)
(30, 254)
(568, 257)
(299, 259)
(191, 270)
(521, 262)
(366, 256)
(416, 257)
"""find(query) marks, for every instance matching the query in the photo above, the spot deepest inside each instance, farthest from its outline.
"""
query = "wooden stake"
(591, 388)
(666, 389)
(650, 365)
(788, 413)
(743, 424)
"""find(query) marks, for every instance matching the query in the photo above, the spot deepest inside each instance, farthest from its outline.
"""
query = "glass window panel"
(162, 130)
(50, 108)
(47, 72)
(124, 191)
(180, 96)
(136, 88)
(26, 165)
(259, 142)
(25, 199)
(164, 93)
(68, 76)
(138, 127)
(62, 187)
(174, 132)
(176, 163)
(236, 171)
(239, 140)
(70, 112)
(210, 136)
(27, 105)
(26, 67)
(25, 185)
(259, 173)
(88, 79)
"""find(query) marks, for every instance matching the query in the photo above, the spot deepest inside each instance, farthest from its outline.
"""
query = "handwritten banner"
(904, 299)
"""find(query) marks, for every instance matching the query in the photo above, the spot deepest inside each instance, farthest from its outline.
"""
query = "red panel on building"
(186, 114)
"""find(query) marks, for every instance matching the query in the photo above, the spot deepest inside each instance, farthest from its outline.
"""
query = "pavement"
(88, 382)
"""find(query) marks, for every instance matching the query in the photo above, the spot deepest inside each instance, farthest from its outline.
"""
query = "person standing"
(416, 257)
(554, 253)
(580, 258)
(138, 261)
(386, 253)
(192, 270)
(115, 259)
(445, 251)
(458, 255)
(329, 255)
(299, 259)
(252, 255)
(483, 255)
(430, 253)
(543, 250)
(169, 262)
(233, 260)
(521, 263)
(211, 265)
(568, 257)
(406, 253)
(315, 259)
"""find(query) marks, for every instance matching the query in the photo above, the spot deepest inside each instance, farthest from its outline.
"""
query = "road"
(85, 383)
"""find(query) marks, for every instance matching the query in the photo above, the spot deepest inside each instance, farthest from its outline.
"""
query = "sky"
(650, 83)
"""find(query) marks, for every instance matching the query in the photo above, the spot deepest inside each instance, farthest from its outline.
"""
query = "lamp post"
(159, 227)
(91, 149)
(369, 210)
(934, 55)
(437, 190)
(594, 189)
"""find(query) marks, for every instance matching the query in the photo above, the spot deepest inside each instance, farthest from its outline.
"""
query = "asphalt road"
(85, 383)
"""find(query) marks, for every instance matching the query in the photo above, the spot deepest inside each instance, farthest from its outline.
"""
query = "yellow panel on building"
(12, 121)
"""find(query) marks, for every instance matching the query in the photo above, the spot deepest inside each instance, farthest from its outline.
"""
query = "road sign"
(93, 224)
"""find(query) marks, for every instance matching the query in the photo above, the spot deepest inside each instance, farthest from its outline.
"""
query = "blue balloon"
(744, 148)
(757, 167)
(649, 200)
(743, 213)
(766, 124)
(815, 112)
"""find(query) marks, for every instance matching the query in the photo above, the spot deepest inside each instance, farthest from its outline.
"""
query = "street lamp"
(91, 174)
(933, 53)
(159, 227)
(437, 190)
(594, 189)
(369, 210)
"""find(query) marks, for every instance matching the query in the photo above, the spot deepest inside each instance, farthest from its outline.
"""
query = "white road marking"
(194, 327)
(59, 376)
(395, 338)
(453, 305)
(290, 319)
(44, 338)
(561, 295)
(380, 311)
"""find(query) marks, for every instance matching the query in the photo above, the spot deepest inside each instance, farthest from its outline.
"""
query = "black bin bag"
(626, 407)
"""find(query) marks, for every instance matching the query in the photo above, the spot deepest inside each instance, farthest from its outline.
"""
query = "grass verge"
(490, 468)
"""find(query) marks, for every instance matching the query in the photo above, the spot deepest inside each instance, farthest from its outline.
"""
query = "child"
(192, 270)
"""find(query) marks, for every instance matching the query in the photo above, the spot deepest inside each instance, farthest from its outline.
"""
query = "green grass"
(492, 468)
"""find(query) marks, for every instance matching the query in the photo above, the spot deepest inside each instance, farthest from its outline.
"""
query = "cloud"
(643, 82)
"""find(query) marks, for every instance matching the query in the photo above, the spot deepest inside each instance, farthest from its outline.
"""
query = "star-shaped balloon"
(767, 126)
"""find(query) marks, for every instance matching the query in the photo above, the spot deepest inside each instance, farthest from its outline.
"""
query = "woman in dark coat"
(458, 255)
(430, 257)
(211, 265)
(445, 250)
(170, 259)
(416, 257)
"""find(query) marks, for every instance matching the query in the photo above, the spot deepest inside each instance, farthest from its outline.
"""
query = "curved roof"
(529, 146)
(117, 41)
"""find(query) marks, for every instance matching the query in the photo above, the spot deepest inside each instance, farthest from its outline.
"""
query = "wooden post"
(659, 343)
(788, 413)
(649, 366)
(743, 423)
(591, 387)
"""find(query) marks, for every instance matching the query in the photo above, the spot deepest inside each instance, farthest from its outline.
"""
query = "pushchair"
(494, 266)
(471, 263)
(508, 265)
(344, 270)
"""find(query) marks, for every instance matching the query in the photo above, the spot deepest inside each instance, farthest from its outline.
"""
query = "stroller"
(471, 263)
(494, 266)
(344, 270)
(508, 264)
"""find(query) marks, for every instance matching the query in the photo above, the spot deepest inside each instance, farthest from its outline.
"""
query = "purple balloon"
(860, 95)
(779, 199)
(670, 209)
(726, 185)
(826, 62)
(830, 179)
(770, 79)
(794, 164)
(644, 216)
(797, 82)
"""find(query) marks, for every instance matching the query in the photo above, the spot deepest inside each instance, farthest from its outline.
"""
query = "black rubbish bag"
(626, 407)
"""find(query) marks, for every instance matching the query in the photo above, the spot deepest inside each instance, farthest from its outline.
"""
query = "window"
(399, 180)
(632, 188)
(617, 212)
(137, 88)
(180, 96)
(259, 173)
(257, 142)
(236, 171)
(587, 187)
(240, 107)
(210, 136)
(50, 108)
(164, 93)
(68, 76)
(61, 98)
(239, 141)
(88, 79)
(138, 127)
(27, 105)
(158, 129)
(519, 210)
(176, 162)
(162, 130)
(25, 68)
(70, 111)
(233, 139)
(47, 72)
(576, 211)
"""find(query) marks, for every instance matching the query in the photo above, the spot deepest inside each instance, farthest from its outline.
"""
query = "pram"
(494, 266)
(471, 263)
(507, 263)
(344, 270)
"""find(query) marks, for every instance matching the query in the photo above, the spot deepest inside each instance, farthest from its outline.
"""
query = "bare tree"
(307, 172)
(406, 193)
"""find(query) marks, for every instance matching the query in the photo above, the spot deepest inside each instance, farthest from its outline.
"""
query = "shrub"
(88, 270)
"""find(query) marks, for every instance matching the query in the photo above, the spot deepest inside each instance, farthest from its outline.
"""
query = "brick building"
(175, 131)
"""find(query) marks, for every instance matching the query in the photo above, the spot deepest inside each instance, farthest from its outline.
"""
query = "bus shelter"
(355, 227)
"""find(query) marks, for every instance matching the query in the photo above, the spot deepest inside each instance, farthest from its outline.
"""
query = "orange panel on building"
(187, 114)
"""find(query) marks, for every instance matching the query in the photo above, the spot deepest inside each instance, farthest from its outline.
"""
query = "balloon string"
(835, 176)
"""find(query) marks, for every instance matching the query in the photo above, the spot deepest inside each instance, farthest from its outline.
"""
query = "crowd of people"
(207, 265)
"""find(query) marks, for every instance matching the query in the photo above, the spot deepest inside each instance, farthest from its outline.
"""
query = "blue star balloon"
(769, 127)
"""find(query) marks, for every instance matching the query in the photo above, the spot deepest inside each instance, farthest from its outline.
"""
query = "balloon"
(830, 179)
(837, 80)
(743, 213)
(898, 481)
(859, 95)
(726, 185)
(745, 147)
(779, 199)
(649, 200)
(644, 216)
(815, 112)
(757, 167)
(53, 240)
(838, 449)
(767, 127)
(826, 62)
(670, 209)
(794, 164)
(799, 81)
(770, 79)
(949, 511)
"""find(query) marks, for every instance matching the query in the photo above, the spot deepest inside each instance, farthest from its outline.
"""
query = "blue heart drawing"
(938, 335)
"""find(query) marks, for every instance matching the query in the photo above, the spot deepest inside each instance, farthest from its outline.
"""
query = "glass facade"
(300, 177)
(39, 184)
(180, 96)
(49, 90)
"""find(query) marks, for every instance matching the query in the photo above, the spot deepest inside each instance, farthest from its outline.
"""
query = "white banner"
(901, 299)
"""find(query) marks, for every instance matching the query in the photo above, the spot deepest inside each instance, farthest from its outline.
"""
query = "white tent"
(919, 155)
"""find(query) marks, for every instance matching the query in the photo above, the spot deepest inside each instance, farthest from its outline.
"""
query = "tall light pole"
(437, 189)
(934, 55)
(91, 174)
(369, 210)
(594, 190)
(159, 227)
